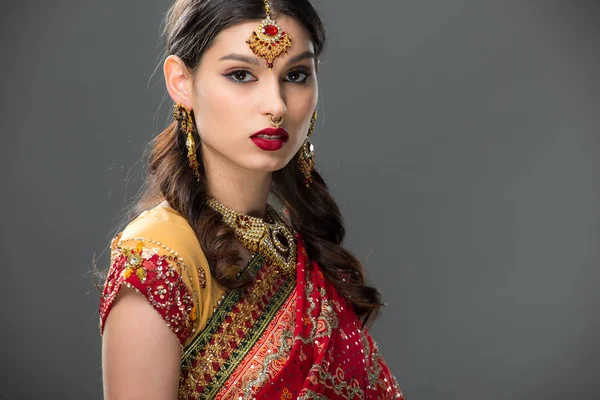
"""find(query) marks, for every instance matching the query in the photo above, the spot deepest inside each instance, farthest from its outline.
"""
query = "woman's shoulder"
(163, 228)
(159, 255)
(159, 222)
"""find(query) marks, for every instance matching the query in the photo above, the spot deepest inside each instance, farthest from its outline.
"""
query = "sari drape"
(286, 336)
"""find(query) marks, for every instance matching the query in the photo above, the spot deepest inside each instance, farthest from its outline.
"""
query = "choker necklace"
(272, 239)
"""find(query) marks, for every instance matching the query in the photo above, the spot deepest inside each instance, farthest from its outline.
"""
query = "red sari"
(287, 336)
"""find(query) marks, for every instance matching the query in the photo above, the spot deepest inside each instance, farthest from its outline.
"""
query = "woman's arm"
(140, 354)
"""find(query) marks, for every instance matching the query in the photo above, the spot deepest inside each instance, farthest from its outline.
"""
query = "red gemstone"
(270, 30)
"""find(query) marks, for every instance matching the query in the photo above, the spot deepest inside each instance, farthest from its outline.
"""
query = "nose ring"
(276, 122)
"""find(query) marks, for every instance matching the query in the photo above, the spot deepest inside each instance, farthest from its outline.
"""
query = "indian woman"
(230, 281)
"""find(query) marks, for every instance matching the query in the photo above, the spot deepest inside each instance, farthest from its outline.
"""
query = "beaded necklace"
(272, 238)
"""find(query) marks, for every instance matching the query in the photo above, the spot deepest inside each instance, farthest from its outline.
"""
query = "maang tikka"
(306, 158)
(269, 41)
(186, 125)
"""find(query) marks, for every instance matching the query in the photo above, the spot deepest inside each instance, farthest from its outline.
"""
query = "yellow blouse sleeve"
(159, 256)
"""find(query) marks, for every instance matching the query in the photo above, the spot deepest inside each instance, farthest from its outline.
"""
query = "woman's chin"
(270, 164)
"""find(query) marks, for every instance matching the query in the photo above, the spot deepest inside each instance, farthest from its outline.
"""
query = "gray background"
(461, 139)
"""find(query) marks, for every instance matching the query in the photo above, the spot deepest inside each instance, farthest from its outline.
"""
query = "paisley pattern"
(310, 346)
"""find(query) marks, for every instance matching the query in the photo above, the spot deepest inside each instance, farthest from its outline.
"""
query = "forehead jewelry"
(269, 41)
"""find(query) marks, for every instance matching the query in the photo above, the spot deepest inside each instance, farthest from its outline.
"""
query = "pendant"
(269, 41)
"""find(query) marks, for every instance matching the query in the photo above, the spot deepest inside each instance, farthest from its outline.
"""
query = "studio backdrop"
(460, 138)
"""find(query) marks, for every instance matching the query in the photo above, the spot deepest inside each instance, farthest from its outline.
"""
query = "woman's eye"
(240, 76)
(297, 76)
(243, 76)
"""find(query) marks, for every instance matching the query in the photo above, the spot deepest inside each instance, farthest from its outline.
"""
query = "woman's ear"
(179, 81)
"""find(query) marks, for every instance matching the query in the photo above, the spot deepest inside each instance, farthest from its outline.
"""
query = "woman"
(211, 292)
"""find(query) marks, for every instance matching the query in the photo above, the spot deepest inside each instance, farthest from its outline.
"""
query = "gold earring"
(186, 125)
(306, 158)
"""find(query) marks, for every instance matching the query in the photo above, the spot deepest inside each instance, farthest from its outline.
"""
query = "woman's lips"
(270, 139)
(272, 144)
(270, 132)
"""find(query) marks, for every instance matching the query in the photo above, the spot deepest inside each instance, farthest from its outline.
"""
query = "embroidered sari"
(286, 336)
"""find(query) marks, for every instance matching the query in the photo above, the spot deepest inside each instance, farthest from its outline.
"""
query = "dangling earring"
(186, 125)
(306, 158)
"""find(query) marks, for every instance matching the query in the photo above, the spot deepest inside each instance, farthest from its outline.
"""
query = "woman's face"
(234, 93)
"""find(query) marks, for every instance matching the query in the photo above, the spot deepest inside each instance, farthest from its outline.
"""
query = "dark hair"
(190, 28)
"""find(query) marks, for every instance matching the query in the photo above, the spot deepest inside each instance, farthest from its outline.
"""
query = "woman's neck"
(242, 190)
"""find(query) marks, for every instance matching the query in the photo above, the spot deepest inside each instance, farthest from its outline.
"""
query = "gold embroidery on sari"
(324, 323)
(266, 358)
(373, 368)
(232, 331)
(308, 317)
(337, 383)
(310, 395)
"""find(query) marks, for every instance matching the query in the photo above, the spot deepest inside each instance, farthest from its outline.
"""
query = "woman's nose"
(272, 100)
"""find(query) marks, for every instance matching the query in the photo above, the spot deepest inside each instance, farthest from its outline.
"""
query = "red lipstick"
(270, 139)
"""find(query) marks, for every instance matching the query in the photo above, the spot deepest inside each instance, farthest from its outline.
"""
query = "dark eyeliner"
(303, 70)
(230, 75)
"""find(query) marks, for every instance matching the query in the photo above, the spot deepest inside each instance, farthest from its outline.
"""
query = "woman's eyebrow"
(241, 57)
(301, 56)
(255, 61)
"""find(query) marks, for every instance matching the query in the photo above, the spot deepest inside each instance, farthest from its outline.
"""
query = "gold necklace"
(273, 239)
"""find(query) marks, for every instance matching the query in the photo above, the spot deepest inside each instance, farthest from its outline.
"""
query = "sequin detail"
(140, 265)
